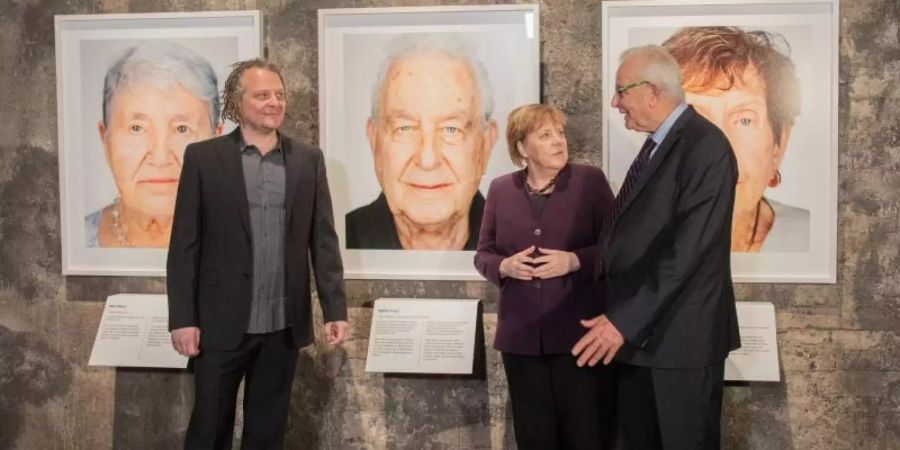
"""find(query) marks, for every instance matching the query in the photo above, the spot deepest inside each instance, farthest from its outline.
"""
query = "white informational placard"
(415, 335)
(134, 332)
(757, 359)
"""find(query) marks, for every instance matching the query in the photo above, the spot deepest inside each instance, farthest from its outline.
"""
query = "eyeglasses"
(621, 90)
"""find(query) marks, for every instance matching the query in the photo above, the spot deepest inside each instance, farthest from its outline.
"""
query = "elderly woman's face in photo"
(149, 128)
(742, 114)
(546, 146)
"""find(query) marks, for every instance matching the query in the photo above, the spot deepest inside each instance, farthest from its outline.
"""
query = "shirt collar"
(244, 146)
(660, 134)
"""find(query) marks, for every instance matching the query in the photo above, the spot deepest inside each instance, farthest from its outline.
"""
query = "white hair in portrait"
(452, 44)
(163, 63)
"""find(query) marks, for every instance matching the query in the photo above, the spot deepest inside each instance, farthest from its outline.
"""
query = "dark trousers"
(670, 409)
(266, 362)
(558, 405)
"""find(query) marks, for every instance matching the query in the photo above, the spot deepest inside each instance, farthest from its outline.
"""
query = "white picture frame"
(507, 42)
(87, 46)
(808, 172)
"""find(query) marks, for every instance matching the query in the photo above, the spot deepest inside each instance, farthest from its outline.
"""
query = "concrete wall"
(839, 343)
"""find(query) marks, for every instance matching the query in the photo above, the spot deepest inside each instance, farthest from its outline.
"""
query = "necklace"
(756, 218)
(541, 191)
(117, 228)
(755, 223)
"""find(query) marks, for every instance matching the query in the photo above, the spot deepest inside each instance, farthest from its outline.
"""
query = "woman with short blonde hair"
(538, 241)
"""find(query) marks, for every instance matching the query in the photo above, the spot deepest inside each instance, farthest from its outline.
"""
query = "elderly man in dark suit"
(670, 319)
(538, 243)
(253, 208)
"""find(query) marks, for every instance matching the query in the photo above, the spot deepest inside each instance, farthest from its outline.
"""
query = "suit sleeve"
(703, 218)
(325, 251)
(600, 208)
(487, 258)
(183, 260)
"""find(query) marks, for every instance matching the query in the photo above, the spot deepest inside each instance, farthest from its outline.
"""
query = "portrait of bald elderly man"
(431, 133)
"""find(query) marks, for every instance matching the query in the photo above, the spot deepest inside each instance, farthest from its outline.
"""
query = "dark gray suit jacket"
(210, 262)
(668, 259)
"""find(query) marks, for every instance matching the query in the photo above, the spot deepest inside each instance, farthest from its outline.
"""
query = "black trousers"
(670, 409)
(558, 405)
(266, 362)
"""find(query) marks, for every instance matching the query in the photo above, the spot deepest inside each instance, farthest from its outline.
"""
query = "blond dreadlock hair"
(232, 91)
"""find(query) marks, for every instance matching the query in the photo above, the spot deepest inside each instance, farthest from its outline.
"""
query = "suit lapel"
(522, 203)
(233, 172)
(659, 155)
(557, 198)
(292, 168)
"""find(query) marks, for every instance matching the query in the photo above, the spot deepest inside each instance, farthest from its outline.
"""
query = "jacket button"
(537, 284)
(537, 231)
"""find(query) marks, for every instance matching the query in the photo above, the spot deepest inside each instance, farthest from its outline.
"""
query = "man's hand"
(186, 341)
(518, 266)
(602, 341)
(555, 263)
(336, 332)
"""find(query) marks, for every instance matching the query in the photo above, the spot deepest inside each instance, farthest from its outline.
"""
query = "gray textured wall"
(839, 343)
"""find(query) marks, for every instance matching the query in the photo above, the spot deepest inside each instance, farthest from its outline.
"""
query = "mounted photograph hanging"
(412, 118)
(766, 74)
(133, 90)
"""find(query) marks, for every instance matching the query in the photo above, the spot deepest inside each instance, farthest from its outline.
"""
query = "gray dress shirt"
(264, 178)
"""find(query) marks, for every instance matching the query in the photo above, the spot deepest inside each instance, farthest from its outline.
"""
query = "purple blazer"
(542, 316)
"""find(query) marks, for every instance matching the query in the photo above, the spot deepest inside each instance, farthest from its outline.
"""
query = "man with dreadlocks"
(252, 211)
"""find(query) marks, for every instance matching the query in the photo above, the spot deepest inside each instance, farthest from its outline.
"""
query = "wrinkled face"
(149, 127)
(429, 143)
(742, 114)
(636, 101)
(263, 100)
(546, 147)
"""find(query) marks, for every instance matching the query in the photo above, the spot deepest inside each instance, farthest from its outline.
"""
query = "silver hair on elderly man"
(452, 44)
(660, 69)
(163, 63)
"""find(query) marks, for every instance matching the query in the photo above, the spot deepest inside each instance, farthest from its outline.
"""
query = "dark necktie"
(638, 166)
(631, 178)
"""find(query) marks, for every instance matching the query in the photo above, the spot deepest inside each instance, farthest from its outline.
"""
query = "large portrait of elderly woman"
(766, 76)
(134, 91)
(413, 106)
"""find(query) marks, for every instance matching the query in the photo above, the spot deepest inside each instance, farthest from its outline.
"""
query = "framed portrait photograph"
(766, 74)
(133, 90)
(413, 105)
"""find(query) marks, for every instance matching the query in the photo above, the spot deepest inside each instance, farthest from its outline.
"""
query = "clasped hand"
(551, 263)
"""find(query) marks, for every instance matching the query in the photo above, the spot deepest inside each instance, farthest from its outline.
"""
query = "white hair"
(660, 68)
(163, 63)
(452, 44)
